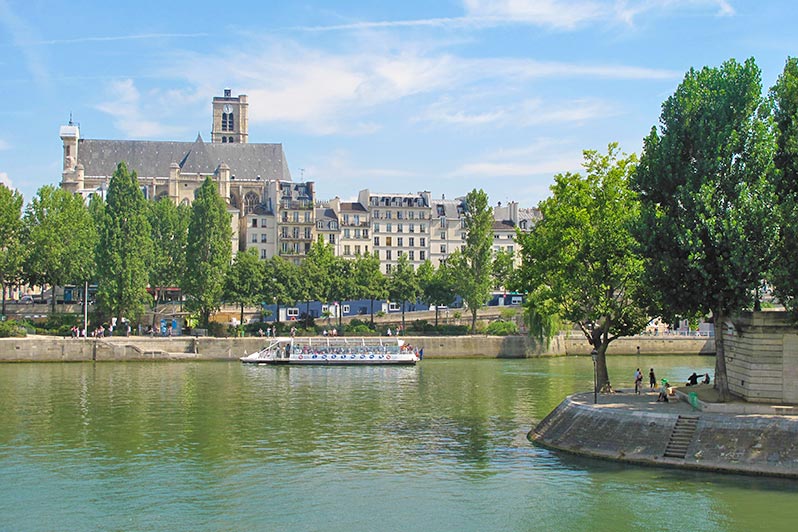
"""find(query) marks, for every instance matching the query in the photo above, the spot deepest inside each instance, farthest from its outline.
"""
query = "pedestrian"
(638, 381)
(652, 379)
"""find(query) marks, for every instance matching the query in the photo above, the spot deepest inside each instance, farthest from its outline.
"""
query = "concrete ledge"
(739, 407)
(637, 430)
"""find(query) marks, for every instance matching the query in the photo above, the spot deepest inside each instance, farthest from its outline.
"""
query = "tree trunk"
(721, 379)
(372, 312)
(436, 316)
(3, 288)
(474, 320)
(241, 321)
(277, 317)
(403, 315)
(598, 339)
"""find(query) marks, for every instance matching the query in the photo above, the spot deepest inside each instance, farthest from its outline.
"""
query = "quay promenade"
(625, 427)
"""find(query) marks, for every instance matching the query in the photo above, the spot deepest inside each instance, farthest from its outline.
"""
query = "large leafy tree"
(281, 283)
(437, 285)
(124, 248)
(784, 96)
(473, 264)
(503, 268)
(580, 260)
(317, 273)
(61, 236)
(169, 230)
(244, 282)
(370, 282)
(707, 228)
(10, 238)
(208, 252)
(403, 284)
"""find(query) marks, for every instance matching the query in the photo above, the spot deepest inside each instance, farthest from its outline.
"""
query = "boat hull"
(335, 352)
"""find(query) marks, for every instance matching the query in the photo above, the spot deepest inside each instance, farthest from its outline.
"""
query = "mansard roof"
(153, 158)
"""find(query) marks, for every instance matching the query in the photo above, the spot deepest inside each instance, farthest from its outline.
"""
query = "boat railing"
(344, 345)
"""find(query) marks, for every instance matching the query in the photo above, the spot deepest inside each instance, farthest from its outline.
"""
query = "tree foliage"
(370, 282)
(11, 250)
(784, 97)
(124, 247)
(403, 284)
(706, 226)
(580, 261)
(60, 236)
(473, 264)
(208, 252)
(169, 233)
(244, 281)
(437, 285)
(281, 282)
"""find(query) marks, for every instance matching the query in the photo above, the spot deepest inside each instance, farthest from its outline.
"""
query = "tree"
(580, 260)
(344, 284)
(124, 247)
(169, 225)
(784, 97)
(244, 282)
(707, 228)
(437, 288)
(11, 251)
(208, 252)
(473, 264)
(281, 283)
(317, 273)
(403, 285)
(60, 235)
(503, 266)
(370, 281)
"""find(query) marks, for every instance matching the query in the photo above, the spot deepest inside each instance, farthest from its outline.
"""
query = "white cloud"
(125, 106)
(554, 13)
(4, 145)
(5, 180)
(544, 157)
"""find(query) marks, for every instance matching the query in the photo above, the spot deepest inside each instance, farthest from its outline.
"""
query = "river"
(437, 447)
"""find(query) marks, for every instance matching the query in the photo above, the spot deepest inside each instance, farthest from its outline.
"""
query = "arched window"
(224, 140)
(251, 200)
(227, 121)
(229, 140)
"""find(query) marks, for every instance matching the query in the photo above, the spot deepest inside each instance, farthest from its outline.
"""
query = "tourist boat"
(335, 351)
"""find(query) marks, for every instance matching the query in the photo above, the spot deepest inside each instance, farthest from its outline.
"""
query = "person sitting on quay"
(663, 392)
(706, 378)
(692, 380)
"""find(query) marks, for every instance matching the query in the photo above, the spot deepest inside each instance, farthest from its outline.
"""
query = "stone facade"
(761, 351)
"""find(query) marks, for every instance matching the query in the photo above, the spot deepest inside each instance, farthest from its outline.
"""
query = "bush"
(422, 326)
(359, 330)
(501, 328)
(12, 329)
(217, 329)
(508, 313)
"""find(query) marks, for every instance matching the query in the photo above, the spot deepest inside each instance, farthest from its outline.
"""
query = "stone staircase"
(681, 437)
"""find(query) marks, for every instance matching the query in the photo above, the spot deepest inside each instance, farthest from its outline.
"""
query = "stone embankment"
(55, 349)
(637, 429)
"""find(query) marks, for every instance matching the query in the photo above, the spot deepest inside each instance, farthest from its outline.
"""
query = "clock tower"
(230, 119)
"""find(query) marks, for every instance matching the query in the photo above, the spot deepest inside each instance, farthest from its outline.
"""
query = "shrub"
(360, 329)
(501, 328)
(217, 329)
(12, 329)
(508, 313)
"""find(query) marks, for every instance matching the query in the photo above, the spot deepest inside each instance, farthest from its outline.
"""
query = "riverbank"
(117, 348)
(637, 429)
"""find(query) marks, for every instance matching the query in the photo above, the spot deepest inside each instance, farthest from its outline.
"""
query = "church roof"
(153, 158)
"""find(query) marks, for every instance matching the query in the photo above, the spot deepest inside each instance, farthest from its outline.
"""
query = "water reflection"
(439, 446)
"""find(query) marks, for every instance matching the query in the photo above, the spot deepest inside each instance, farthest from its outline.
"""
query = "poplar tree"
(169, 232)
(707, 226)
(473, 264)
(244, 282)
(208, 252)
(124, 248)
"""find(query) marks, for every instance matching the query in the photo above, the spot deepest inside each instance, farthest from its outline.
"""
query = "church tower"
(230, 119)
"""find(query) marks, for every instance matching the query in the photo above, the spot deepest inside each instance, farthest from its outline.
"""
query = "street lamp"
(594, 356)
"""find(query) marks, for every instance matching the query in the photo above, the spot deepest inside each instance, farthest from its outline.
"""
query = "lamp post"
(594, 356)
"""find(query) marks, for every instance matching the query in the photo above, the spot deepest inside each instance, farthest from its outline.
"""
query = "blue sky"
(393, 96)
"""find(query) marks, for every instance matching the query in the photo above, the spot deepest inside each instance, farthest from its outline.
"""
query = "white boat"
(335, 351)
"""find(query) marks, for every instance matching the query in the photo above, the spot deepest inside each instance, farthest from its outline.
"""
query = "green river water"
(437, 447)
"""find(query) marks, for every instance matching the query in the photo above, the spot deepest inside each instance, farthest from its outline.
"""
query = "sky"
(397, 97)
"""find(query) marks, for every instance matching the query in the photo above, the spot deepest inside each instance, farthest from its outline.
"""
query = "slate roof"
(153, 158)
(503, 225)
(350, 206)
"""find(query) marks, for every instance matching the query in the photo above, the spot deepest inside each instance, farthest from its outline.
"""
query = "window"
(263, 254)
(332, 239)
(399, 228)
(443, 235)
(263, 223)
(356, 219)
(462, 236)
(510, 249)
(320, 225)
(295, 232)
(285, 216)
(388, 241)
(399, 215)
(346, 309)
(376, 215)
(422, 255)
(387, 215)
(388, 255)
(365, 233)
(400, 241)
(347, 249)
(296, 216)
(283, 232)
(376, 241)
(357, 250)
(347, 233)
(411, 241)
(412, 228)
(357, 233)
(307, 217)
(443, 248)
(254, 222)
(308, 234)
(292, 312)
(411, 255)
(411, 215)
(388, 269)
(422, 242)
(422, 228)
(376, 227)
(400, 253)
(254, 238)
(263, 238)
(346, 219)
(388, 228)
(394, 307)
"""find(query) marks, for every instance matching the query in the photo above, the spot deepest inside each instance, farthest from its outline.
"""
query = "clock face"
(227, 108)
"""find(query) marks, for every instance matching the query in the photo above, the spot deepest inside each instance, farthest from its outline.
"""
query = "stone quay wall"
(55, 349)
(748, 444)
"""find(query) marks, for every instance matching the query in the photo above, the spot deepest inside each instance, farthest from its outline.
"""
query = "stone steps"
(681, 437)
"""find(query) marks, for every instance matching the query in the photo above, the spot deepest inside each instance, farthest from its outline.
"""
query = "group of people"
(389, 332)
(692, 380)
(652, 380)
